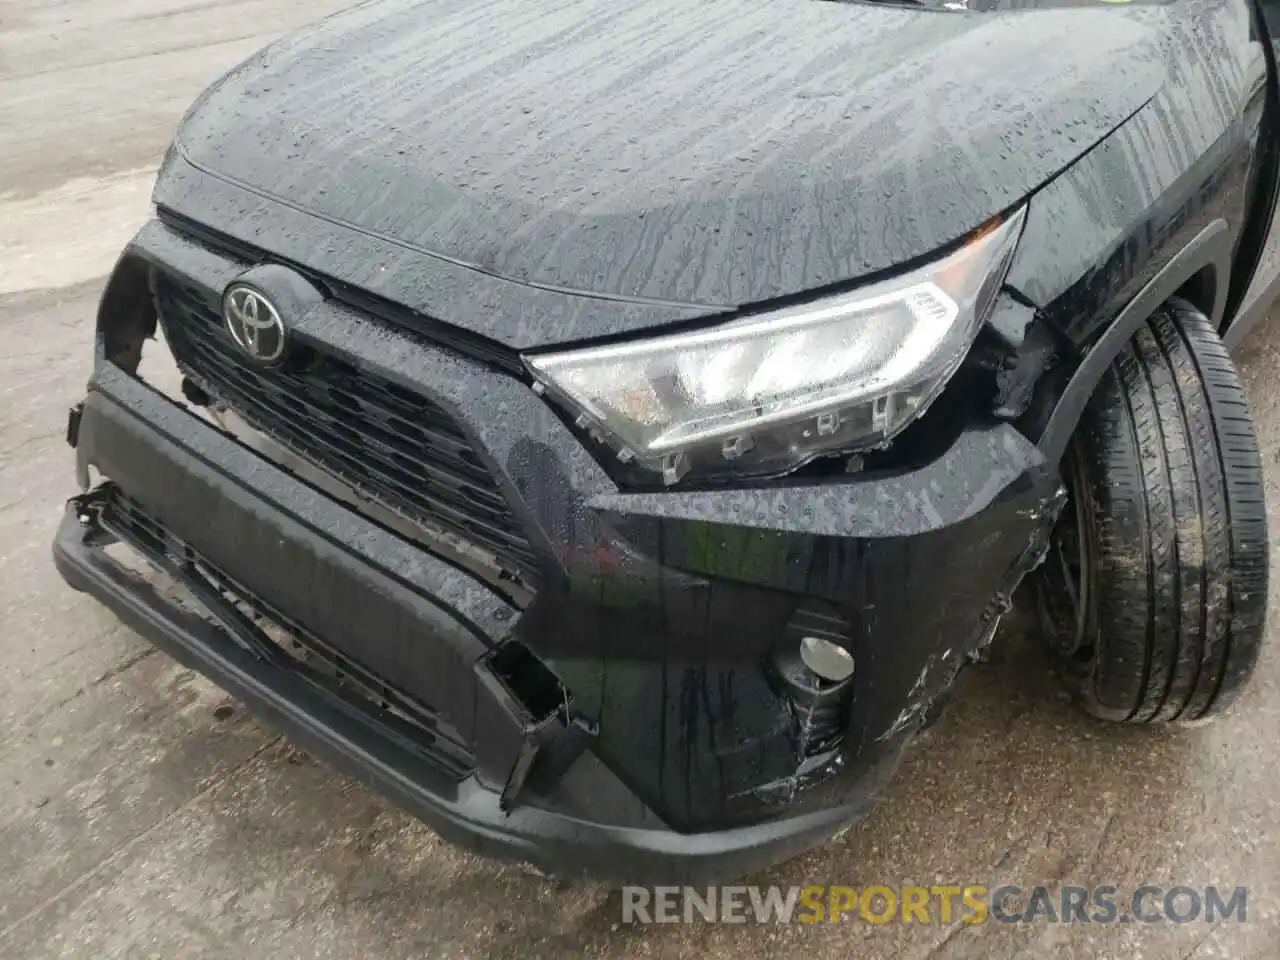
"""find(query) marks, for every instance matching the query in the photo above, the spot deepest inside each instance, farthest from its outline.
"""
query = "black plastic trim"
(465, 813)
(1211, 247)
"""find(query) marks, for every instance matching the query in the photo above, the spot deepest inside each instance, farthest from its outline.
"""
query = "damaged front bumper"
(638, 712)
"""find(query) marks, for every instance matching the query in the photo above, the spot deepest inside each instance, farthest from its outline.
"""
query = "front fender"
(1155, 210)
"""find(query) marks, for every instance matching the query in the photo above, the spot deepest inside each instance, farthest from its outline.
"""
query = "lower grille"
(387, 442)
(290, 643)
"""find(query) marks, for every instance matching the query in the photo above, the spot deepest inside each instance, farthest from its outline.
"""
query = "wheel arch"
(1200, 272)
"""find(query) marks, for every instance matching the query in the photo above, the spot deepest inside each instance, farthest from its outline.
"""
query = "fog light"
(828, 660)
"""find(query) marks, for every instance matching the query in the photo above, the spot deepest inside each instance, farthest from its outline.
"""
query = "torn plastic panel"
(126, 313)
(546, 736)
(553, 734)
(1028, 347)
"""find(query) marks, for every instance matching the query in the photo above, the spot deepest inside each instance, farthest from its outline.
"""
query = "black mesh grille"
(389, 443)
(417, 723)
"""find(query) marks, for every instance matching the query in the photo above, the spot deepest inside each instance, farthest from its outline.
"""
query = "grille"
(389, 443)
(307, 653)
(451, 338)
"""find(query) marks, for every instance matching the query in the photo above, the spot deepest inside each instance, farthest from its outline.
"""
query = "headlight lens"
(771, 391)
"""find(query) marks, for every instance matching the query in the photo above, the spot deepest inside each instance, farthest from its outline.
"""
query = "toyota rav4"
(608, 429)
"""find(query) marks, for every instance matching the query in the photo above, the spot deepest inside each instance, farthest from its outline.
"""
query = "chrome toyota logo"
(254, 323)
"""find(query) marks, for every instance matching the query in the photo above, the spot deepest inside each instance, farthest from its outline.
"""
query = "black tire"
(1154, 591)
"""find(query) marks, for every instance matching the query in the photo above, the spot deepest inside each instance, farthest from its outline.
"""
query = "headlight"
(773, 390)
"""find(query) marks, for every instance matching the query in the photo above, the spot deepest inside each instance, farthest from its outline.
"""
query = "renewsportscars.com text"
(940, 903)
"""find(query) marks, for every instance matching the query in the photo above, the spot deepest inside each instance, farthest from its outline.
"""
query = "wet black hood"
(715, 153)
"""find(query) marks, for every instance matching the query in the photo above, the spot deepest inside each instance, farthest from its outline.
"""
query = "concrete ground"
(142, 813)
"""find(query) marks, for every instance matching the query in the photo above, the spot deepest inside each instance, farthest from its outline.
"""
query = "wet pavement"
(143, 813)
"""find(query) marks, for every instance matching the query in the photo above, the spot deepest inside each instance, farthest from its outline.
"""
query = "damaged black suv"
(608, 429)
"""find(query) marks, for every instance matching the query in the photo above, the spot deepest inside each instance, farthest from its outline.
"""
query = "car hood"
(715, 153)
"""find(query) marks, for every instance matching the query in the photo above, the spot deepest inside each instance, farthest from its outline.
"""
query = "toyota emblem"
(254, 323)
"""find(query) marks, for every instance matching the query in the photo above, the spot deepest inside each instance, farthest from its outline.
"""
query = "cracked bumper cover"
(660, 614)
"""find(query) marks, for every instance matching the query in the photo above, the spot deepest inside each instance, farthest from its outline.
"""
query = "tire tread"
(1170, 462)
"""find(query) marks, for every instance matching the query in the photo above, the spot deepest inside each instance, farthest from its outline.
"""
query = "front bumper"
(462, 811)
(676, 753)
